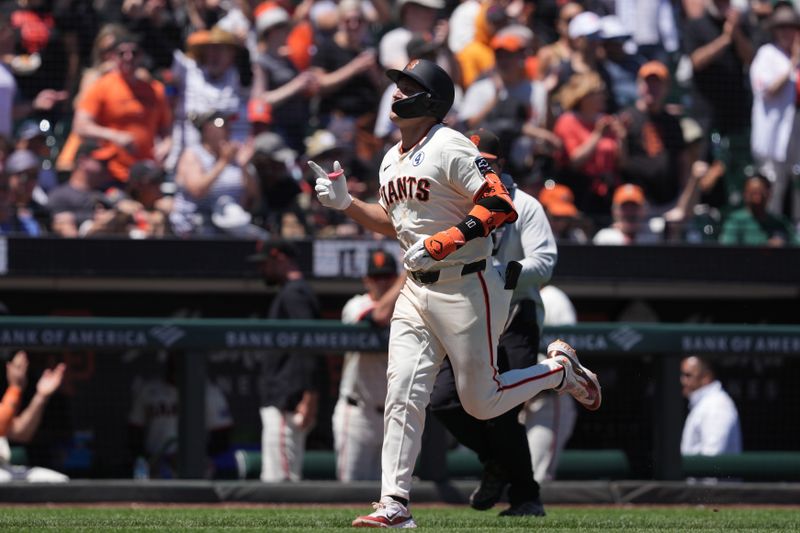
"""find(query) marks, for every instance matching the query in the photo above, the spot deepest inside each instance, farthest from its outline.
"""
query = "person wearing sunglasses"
(129, 115)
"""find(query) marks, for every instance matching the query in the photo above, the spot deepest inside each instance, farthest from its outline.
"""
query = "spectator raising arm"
(22, 428)
(732, 33)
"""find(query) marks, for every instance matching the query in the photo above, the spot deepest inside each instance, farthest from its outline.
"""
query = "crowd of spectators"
(633, 121)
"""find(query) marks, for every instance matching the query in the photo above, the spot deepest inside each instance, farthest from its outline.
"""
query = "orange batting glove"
(444, 243)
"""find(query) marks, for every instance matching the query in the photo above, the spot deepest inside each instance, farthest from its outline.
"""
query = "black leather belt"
(426, 278)
(352, 401)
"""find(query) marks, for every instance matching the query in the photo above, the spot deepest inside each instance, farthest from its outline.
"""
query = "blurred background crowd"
(632, 121)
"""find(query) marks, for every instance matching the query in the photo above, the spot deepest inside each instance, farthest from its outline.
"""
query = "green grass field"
(449, 519)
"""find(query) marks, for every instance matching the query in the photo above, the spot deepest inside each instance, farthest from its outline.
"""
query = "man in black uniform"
(501, 443)
(290, 382)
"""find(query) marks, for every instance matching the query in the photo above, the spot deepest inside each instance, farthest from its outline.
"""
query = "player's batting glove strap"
(331, 187)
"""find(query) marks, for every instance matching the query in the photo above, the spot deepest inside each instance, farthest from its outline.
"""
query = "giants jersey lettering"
(430, 188)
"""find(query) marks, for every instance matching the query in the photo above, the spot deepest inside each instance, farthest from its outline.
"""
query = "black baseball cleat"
(531, 508)
(494, 480)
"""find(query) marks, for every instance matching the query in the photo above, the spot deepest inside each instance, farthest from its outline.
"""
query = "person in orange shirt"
(593, 143)
(128, 114)
(477, 57)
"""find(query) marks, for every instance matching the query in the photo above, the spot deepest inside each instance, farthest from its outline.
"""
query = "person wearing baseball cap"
(274, 162)
(656, 153)
(630, 224)
(259, 115)
(516, 113)
(442, 221)
(565, 219)
(362, 389)
(584, 25)
(620, 65)
(487, 142)
(584, 38)
(281, 87)
(289, 386)
(774, 79)
(25, 209)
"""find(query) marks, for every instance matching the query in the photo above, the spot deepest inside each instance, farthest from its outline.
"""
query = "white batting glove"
(417, 257)
(331, 187)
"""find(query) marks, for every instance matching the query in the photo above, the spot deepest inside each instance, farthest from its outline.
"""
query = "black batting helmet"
(435, 101)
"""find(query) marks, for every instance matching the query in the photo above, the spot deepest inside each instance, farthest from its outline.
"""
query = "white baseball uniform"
(283, 445)
(550, 417)
(358, 415)
(427, 189)
(35, 474)
(155, 409)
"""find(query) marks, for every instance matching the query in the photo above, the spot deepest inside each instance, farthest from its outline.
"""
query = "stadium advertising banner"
(301, 335)
(110, 333)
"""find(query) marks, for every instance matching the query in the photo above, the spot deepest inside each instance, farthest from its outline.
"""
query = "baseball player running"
(441, 200)
(501, 443)
(358, 415)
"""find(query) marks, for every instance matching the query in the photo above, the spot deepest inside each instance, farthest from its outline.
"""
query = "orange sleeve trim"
(8, 407)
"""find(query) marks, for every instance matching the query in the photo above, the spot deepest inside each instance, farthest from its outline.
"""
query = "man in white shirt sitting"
(712, 426)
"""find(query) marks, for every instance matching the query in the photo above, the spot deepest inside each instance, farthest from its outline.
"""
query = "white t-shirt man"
(712, 427)
(773, 115)
(532, 94)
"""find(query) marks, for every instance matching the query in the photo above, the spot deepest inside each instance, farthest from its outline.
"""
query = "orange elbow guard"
(494, 196)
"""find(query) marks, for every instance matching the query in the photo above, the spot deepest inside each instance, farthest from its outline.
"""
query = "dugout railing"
(662, 344)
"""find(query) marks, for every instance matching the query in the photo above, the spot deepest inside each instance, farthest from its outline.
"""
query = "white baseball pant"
(358, 438)
(549, 420)
(34, 474)
(462, 318)
(283, 446)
